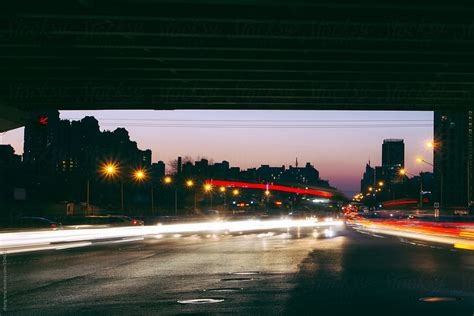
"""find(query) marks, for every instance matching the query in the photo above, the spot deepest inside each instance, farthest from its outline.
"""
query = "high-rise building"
(393, 160)
(393, 153)
(61, 155)
(158, 170)
(41, 135)
(368, 179)
(453, 158)
(386, 179)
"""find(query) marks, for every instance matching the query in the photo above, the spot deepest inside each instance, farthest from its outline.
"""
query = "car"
(101, 221)
(301, 215)
(133, 221)
(35, 222)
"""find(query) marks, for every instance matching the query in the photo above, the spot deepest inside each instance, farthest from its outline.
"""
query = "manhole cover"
(237, 279)
(202, 301)
(245, 273)
(225, 289)
(440, 299)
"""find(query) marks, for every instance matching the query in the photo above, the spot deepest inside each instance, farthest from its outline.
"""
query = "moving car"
(100, 221)
(32, 222)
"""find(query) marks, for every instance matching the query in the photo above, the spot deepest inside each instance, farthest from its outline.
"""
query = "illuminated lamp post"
(223, 191)
(208, 189)
(403, 172)
(190, 184)
(168, 180)
(111, 170)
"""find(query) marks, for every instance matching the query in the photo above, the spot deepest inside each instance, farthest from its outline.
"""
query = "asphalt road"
(264, 274)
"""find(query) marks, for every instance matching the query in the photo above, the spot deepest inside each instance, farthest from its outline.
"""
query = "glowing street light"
(381, 183)
(267, 193)
(223, 189)
(208, 188)
(169, 180)
(402, 172)
(110, 169)
(139, 175)
(190, 184)
(419, 159)
(235, 192)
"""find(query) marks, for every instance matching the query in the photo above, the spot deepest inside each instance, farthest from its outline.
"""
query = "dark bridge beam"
(116, 54)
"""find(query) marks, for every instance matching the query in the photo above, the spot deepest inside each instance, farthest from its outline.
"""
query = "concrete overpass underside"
(254, 54)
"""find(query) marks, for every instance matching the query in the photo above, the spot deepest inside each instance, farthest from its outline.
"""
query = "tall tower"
(393, 153)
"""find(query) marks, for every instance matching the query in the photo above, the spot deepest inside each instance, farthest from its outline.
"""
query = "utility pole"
(195, 201)
(88, 197)
(421, 192)
(176, 202)
(152, 201)
(121, 193)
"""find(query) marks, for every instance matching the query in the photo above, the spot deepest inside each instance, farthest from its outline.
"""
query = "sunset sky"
(337, 143)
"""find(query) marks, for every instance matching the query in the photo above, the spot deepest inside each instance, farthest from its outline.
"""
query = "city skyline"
(249, 139)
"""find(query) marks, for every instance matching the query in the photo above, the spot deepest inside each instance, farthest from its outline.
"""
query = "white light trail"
(37, 240)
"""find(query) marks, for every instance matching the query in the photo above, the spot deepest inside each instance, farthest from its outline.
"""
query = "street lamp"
(139, 175)
(190, 184)
(169, 180)
(223, 189)
(235, 192)
(403, 172)
(421, 160)
(110, 170)
(208, 188)
(267, 195)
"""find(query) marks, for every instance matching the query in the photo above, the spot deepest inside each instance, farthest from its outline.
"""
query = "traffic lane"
(151, 276)
(351, 273)
(383, 275)
(36, 241)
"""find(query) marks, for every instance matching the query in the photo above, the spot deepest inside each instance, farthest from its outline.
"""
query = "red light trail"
(269, 186)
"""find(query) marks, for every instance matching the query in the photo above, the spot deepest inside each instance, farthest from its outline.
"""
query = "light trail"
(41, 240)
(269, 187)
(443, 233)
